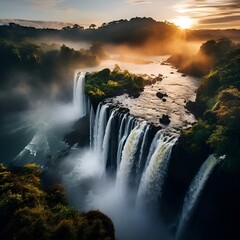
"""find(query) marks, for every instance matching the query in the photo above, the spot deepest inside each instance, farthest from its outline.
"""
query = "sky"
(201, 13)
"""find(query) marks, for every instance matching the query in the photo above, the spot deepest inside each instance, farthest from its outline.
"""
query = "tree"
(66, 28)
(76, 26)
(92, 26)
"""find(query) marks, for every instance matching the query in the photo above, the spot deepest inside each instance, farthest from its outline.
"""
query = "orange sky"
(202, 13)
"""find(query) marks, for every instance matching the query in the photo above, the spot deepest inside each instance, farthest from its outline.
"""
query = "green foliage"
(107, 83)
(28, 212)
(208, 86)
(195, 138)
(225, 75)
(218, 140)
(219, 95)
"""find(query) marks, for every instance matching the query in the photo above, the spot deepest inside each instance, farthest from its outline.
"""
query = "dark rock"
(196, 109)
(164, 99)
(164, 119)
(154, 81)
(171, 72)
(155, 127)
(123, 110)
(134, 95)
(183, 75)
(158, 79)
(161, 95)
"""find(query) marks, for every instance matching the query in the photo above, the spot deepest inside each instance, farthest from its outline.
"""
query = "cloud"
(220, 19)
(136, 2)
(210, 13)
(36, 24)
(33, 3)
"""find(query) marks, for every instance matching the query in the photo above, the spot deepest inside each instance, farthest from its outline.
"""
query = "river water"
(178, 87)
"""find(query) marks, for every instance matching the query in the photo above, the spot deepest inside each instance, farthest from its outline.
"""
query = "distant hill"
(134, 32)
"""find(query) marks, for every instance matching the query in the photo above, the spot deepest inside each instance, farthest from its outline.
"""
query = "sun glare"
(184, 22)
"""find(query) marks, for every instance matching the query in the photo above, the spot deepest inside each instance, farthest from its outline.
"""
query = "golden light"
(184, 22)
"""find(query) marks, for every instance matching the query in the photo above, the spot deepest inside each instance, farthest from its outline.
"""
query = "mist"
(81, 172)
(34, 74)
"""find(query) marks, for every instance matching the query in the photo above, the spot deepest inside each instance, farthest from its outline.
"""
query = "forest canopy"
(31, 72)
(27, 211)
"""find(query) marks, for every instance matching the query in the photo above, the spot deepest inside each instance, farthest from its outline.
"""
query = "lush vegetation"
(218, 129)
(31, 72)
(107, 83)
(28, 212)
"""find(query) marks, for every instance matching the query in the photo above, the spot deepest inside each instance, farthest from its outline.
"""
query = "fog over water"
(82, 171)
(88, 185)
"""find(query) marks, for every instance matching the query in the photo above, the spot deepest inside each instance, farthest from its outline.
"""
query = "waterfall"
(99, 128)
(128, 156)
(139, 154)
(121, 142)
(126, 164)
(143, 153)
(154, 175)
(106, 140)
(194, 191)
(91, 125)
(79, 97)
(123, 134)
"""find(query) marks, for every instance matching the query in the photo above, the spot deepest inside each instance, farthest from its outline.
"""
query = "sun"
(184, 22)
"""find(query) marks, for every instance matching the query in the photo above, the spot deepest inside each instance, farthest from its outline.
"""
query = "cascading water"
(79, 97)
(91, 125)
(126, 155)
(106, 140)
(130, 159)
(121, 140)
(153, 178)
(99, 128)
(195, 189)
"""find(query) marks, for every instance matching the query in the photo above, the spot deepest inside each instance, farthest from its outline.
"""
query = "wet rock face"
(161, 95)
(164, 119)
